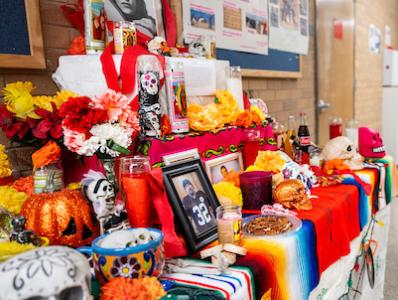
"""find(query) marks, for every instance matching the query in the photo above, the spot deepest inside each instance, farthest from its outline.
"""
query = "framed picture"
(194, 202)
(181, 157)
(21, 39)
(147, 15)
(223, 168)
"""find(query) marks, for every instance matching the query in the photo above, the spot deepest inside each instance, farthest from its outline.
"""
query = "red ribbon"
(173, 246)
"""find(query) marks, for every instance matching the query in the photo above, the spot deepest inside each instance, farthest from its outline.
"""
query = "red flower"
(79, 116)
(12, 127)
(50, 124)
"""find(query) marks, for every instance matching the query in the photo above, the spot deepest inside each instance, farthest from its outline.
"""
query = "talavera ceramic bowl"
(118, 254)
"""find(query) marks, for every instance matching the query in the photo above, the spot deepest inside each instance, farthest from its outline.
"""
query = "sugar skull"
(342, 148)
(291, 194)
(150, 83)
(370, 143)
(46, 273)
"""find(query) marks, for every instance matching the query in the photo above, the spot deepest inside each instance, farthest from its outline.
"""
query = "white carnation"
(104, 132)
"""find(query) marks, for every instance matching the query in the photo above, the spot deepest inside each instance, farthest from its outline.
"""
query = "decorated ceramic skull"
(197, 49)
(150, 83)
(370, 143)
(47, 273)
(291, 194)
(342, 148)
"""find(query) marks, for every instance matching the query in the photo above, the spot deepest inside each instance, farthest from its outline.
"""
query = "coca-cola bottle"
(304, 140)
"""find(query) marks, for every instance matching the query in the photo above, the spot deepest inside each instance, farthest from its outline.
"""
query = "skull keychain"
(101, 193)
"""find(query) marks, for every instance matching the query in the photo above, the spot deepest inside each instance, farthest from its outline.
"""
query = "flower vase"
(109, 165)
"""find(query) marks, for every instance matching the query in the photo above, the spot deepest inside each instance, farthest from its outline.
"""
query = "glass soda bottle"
(304, 140)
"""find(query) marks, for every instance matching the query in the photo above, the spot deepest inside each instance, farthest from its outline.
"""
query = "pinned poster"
(234, 24)
(289, 29)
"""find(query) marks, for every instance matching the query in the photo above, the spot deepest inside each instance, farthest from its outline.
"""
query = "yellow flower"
(270, 161)
(19, 100)
(5, 166)
(228, 193)
(259, 112)
(43, 102)
(62, 97)
(253, 168)
(227, 105)
(10, 249)
(11, 199)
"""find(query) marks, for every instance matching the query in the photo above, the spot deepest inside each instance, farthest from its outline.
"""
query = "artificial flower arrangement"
(29, 119)
(103, 125)
(5, 166)
(224, 111)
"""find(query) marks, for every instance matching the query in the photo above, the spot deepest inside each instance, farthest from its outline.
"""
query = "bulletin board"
(277, 64)
(21, 38)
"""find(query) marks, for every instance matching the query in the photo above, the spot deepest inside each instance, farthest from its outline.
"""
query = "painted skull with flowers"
(104, 125)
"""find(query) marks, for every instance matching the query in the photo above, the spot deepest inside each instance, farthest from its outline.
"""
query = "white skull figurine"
(48, 273)
(150, 83)
(342, 148)
(100, 192)
(143, 236)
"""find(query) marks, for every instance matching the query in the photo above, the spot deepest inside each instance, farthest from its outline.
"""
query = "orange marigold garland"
(120, 288)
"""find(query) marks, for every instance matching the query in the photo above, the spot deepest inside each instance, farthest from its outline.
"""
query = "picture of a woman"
(136, 11)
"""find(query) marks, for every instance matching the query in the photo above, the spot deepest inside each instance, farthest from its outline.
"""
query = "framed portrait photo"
(193, 201)
(147, 15)
(224, 168)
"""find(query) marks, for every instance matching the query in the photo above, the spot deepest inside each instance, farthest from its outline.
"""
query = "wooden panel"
(335, 61)
(36, 59)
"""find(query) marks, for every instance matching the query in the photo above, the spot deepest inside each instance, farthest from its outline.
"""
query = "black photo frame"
(196, 214)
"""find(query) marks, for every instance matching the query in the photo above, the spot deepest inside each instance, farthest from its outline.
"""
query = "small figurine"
(20, 235)
(101, 193)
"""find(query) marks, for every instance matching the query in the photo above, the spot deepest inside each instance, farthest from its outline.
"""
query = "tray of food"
(270, 225)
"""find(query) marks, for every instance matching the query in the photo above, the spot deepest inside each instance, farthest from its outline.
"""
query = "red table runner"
(335, 215)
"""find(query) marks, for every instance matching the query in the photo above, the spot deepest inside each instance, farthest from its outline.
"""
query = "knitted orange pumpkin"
(64, 217)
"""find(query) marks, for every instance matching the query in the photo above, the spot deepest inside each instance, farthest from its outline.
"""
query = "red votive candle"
(256, 189)
(251, 146)
(134, 172)
(335, 128)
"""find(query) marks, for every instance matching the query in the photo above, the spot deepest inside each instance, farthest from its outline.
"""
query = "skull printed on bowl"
(370, 143)
(150, 83)
(46, 273)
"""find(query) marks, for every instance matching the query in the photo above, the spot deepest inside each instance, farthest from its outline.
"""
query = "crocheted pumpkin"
(64, 217)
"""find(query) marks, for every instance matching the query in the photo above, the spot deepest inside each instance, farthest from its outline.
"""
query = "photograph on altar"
(193, 201)
(146, 14)
(224, 168)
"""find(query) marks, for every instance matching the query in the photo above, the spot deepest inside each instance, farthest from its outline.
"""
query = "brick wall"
(283, 96)
(369, 66)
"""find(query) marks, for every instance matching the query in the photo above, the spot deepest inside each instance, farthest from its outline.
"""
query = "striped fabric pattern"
(237, 284)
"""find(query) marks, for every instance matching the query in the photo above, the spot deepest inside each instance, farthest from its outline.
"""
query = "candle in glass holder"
(335, 127)
(251, 146)
(229, 224)
(134, 172)
(256, 189)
